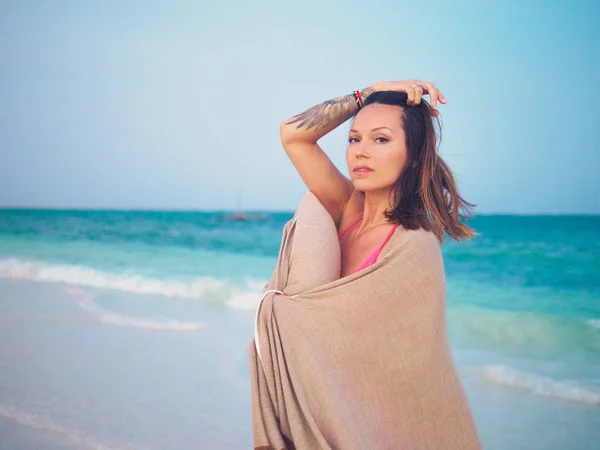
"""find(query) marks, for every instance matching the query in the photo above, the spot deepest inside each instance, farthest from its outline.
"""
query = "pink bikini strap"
(371, 259)
(387, 238)
(348, 227)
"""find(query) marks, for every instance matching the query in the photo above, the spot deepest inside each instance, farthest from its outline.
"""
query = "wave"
(85, 302)
(68, 435)
(196, 288)
(537, 385)
(523, 330)
(201, 288)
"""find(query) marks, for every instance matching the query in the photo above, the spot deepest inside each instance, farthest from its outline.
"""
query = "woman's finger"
(432, 91)
(433, 94)
(410, 94)
(418, 93)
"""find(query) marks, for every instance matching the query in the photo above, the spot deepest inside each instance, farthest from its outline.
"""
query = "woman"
(361, 359)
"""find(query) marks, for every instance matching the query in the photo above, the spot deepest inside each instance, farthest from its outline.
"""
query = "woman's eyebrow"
(374, 129)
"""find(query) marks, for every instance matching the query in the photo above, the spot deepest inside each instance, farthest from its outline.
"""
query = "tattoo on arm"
(324, 115)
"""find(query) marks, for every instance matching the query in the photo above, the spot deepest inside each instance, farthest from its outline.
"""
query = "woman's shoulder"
(418, 239)
(416, 250)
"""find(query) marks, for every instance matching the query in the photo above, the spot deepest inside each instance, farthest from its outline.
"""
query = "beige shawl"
(361, 362)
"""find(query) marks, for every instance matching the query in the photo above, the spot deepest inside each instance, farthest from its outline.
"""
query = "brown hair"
(425, 193)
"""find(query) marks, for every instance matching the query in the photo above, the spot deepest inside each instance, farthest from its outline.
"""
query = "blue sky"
(177, 104)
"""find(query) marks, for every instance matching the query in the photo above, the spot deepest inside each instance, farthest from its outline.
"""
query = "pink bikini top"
(371, 259)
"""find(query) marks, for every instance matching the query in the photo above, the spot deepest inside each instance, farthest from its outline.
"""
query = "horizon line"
(254, 211)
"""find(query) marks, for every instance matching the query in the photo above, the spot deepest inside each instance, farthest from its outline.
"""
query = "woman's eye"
(379, 139)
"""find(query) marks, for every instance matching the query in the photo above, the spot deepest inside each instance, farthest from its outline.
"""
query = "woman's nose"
(360, 149)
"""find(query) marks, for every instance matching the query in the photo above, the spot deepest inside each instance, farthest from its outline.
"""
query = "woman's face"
(376, 140)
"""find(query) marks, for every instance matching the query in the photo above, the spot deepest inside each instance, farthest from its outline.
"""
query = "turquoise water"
(539, 265)
(523, 297)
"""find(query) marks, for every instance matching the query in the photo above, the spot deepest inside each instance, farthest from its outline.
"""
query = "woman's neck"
(376, 203)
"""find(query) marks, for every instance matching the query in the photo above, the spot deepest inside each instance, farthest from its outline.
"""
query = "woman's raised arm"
(299, 136)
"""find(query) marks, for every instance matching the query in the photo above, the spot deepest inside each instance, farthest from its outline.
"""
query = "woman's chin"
(362, 185)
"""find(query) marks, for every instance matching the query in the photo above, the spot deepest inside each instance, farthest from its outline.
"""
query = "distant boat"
(238, 216)
(244, 216)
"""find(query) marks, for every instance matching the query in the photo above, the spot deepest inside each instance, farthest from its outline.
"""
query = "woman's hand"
(414, 89)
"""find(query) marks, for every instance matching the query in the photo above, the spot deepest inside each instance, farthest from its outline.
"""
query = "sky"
(147, 104)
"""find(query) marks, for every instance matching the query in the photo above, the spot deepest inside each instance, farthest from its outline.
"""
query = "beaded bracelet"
(359, 98)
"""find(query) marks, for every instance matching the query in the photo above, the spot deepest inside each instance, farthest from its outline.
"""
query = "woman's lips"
(363, 171)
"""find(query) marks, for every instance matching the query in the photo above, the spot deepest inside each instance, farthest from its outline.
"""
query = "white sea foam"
(594, 323)
(249, 299)
(256, 285)
(537, 385)
(85, 301)
(197, 288)
(244, 300)
(200, 288)
(68, 435)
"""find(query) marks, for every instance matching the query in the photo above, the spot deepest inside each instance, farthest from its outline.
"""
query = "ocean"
(128, 329)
